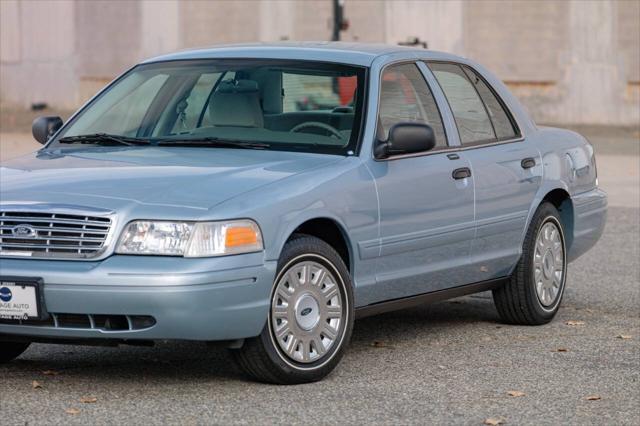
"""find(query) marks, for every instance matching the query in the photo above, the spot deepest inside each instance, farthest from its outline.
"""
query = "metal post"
(338, 19)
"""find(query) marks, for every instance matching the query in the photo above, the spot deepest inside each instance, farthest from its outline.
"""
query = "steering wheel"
(334, 132)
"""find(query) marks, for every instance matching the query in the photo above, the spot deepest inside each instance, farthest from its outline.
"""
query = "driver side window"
(405, 97)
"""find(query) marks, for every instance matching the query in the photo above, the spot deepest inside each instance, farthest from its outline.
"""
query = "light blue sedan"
(268, 195)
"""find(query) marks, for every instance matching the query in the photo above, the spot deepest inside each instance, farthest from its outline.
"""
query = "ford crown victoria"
(266, 196)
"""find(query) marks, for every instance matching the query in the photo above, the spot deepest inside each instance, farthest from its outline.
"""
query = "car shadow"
(166, 362)
(426, 320)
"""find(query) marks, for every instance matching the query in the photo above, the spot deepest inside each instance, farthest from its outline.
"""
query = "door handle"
(461, 173)
(528, 163)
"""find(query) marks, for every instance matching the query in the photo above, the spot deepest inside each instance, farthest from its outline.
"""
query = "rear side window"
(468, 109)
(502, 123)
(405, 97)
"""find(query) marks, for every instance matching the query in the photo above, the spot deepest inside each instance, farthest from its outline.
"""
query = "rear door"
(426, 215)
(507, 170)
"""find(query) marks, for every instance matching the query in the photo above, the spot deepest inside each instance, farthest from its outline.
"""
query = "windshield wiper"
(213, 142)
(104, 139)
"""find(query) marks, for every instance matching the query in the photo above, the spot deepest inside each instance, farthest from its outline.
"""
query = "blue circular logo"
(5, 294)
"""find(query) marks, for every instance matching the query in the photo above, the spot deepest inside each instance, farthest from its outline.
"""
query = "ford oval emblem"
(23, 231)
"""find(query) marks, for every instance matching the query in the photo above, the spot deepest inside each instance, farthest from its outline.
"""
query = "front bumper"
(210, 299)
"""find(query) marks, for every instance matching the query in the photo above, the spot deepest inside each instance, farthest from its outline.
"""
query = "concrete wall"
(37, 52)
(572, 61)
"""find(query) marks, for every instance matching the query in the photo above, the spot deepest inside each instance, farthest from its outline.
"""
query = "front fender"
(343, 192)
(288, 228)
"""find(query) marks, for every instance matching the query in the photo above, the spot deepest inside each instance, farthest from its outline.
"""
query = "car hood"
(196, 178)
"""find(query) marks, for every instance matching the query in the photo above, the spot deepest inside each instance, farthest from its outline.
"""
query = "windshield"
(270, 104)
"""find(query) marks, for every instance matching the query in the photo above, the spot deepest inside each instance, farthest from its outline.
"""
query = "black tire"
(517, 301)
(11, 350)
(263, 359)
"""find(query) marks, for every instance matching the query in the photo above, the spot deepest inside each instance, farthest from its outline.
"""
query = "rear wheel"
(533, 294)
(310, 319)
(11, 350)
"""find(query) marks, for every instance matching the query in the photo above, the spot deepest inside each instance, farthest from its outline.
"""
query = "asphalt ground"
(446, 363)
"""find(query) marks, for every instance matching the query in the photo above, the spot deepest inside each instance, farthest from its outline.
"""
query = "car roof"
(362, 54)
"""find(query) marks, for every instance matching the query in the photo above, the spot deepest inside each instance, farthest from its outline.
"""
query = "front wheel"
(310, 319)
(12, 350)
(533, 294)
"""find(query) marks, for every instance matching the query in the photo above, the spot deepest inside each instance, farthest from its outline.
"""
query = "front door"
(426, 214)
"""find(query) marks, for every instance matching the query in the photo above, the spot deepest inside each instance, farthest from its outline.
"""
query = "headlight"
(189, 239)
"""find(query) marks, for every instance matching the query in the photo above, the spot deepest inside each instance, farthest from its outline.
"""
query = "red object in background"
(346, 89)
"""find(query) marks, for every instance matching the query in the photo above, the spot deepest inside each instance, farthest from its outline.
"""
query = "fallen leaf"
(572, 322)
(72, 411)
(624, 336)
(493, 422)
(89, 400)
(36, 384)
(560, 350)
(593, 398)
(379, 344)
(50, 373)
(516, 393)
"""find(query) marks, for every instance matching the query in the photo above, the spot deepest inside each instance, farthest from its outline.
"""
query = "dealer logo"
(24, 231)
(5, 294)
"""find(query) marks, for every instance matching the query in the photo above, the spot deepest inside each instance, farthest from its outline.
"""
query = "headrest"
(236, 104)
(237, 86)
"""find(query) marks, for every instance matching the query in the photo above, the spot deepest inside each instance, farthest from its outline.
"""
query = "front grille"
(52, 235)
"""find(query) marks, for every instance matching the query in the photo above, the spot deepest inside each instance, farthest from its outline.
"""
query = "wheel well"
(562, 201)
(331, 233)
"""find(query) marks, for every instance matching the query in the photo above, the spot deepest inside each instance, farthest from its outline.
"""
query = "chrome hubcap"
(307, 312)
(548, 264)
